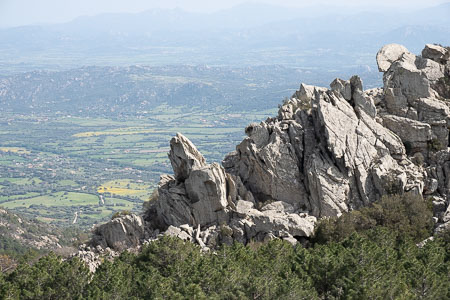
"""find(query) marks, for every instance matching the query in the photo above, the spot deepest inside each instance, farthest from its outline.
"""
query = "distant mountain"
(249, 34)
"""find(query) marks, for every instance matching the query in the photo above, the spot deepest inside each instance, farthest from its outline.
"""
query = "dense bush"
(373, 256)
(49, 278)
(376, 265)
(408, 215)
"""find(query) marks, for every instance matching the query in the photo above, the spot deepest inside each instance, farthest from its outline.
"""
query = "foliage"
(377, 263)
(7, 263)
(152, 199)
(435, 145)
(49, 278)
(20, 237)
(408, 215)
(366, 254)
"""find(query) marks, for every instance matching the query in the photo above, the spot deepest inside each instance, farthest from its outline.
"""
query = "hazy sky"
(23, 12)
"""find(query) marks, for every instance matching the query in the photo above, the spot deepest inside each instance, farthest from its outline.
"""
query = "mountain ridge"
(213, 39)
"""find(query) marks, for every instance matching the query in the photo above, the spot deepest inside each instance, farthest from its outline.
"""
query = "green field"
(54, 167)
(55, 199)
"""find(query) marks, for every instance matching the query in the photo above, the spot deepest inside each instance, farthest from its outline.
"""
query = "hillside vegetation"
(376, 258)
(26, 239)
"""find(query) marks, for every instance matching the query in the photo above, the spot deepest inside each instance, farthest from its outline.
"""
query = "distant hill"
(249, 34)
(19, 234)
(96, 91)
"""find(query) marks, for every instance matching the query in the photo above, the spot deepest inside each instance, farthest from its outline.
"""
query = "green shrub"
(226, 230)
(154, 197)
(371, 264)
(435, 145)
(408, 215)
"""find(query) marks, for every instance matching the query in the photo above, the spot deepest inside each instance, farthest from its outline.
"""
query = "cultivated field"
(53, 167)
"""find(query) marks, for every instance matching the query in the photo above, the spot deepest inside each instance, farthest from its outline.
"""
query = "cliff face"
(329, 150)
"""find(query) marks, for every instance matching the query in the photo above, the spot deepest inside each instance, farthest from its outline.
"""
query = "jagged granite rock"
(271, 172)
(278, 219)
(327, 151)
(208, 197)
(202, 199)
(415, 132)
(351, 145)
(184, 156)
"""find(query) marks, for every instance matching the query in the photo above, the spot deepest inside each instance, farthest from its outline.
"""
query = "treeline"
(369, 254)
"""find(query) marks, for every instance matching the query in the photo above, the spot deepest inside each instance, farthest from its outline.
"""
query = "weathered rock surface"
(344, 148)
(184, 156)
(437, 53)
(207, 191)
(120, 233)
(327, 152)
(389, 54)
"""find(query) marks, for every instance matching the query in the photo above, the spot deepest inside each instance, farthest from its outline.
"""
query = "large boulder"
(329, 188)
(271, 172)
(416, 133)
(198, 195)
(389, 54)
(277, 219)
(173, 205)
(121, 233)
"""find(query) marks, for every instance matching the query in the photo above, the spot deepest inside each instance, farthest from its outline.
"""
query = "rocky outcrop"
(208, 198)
(327, 152)
(436, 53)
(197, 197)
(334, 150)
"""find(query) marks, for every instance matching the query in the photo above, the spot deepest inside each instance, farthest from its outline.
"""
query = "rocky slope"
(19, 232)
(329, 150)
